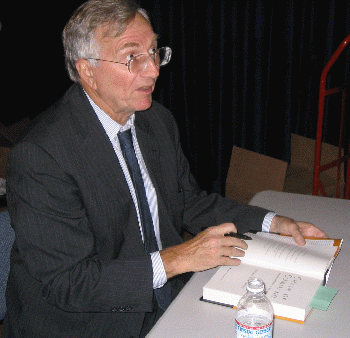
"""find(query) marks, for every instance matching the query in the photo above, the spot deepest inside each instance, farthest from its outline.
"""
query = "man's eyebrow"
(155, 37)
(129, 45)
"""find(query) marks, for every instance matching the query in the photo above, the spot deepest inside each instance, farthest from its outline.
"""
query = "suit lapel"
(150, 152)
(96, 145)
(97, 148)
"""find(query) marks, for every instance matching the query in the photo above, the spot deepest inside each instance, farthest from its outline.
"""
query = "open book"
(291, 273)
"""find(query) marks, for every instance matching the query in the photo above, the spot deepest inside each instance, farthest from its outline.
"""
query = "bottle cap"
(255, 284)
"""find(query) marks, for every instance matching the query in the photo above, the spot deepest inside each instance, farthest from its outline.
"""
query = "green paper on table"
(323, 298)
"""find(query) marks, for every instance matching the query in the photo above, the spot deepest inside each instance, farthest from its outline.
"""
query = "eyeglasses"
(138, 63)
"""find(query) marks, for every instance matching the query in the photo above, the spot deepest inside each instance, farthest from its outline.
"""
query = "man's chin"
(145, 104)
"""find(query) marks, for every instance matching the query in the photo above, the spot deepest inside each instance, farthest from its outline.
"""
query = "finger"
(210, 239)
(233, 252)
(234, 242)
(224, 228)
(230, 261)
(298, 237)
(309, 230)
(287, 226)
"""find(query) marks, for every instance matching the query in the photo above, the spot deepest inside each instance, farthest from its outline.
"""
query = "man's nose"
(151, 69)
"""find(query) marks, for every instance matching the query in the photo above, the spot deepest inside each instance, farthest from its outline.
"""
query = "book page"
(283, 254)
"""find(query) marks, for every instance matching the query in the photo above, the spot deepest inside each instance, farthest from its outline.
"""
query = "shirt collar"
(111, 127)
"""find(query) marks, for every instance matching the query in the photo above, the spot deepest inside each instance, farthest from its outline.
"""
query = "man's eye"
(130, 57)
(153, 51)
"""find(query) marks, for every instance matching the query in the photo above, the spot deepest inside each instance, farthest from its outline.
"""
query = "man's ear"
(86, 72)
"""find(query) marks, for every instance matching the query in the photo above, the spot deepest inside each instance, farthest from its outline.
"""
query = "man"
(82, 264)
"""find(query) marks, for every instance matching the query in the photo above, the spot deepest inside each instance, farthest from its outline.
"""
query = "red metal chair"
(342, 158)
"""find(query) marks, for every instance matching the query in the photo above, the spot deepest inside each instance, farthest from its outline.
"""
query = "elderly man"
(99, 193)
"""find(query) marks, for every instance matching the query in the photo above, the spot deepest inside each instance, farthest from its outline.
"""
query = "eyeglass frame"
(168, 53)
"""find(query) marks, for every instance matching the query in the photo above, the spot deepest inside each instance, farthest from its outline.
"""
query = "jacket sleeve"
(56, 243)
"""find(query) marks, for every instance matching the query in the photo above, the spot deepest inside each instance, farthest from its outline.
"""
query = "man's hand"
(207, 250)
(298, 230)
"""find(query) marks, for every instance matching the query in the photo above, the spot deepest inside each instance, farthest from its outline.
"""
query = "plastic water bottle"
(254, 317)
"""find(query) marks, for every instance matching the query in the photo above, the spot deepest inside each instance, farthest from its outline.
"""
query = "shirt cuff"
(159, 275)
(267, 221)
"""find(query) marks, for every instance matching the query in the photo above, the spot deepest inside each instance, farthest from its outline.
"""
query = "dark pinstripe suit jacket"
(78, 266)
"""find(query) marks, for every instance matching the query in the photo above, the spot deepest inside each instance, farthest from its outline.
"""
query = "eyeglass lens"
(160, 58)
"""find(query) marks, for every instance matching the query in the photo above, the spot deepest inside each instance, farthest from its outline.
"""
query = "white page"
(282, 253)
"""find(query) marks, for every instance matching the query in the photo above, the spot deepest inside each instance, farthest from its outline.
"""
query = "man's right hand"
(207, 250)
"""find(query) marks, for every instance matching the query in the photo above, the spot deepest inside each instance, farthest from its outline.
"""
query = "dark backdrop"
(243, 72)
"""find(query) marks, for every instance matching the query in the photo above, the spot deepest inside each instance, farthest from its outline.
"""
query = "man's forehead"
(108, 33)
(132, 44)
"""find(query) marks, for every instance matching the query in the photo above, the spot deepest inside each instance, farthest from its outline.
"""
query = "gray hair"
(79, 40)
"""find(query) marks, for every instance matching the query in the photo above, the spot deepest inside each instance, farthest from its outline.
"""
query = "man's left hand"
(298, 230)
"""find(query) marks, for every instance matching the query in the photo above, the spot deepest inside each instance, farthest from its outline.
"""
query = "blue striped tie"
(163, 294)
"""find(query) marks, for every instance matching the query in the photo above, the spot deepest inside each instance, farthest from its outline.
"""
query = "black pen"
(237, 235)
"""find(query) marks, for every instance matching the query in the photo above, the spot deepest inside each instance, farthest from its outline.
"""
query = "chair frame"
(318, 168)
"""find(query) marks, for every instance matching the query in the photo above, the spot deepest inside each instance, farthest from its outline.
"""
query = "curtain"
(245, 73)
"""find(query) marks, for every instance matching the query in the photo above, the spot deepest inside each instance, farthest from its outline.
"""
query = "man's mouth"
(146, 89)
